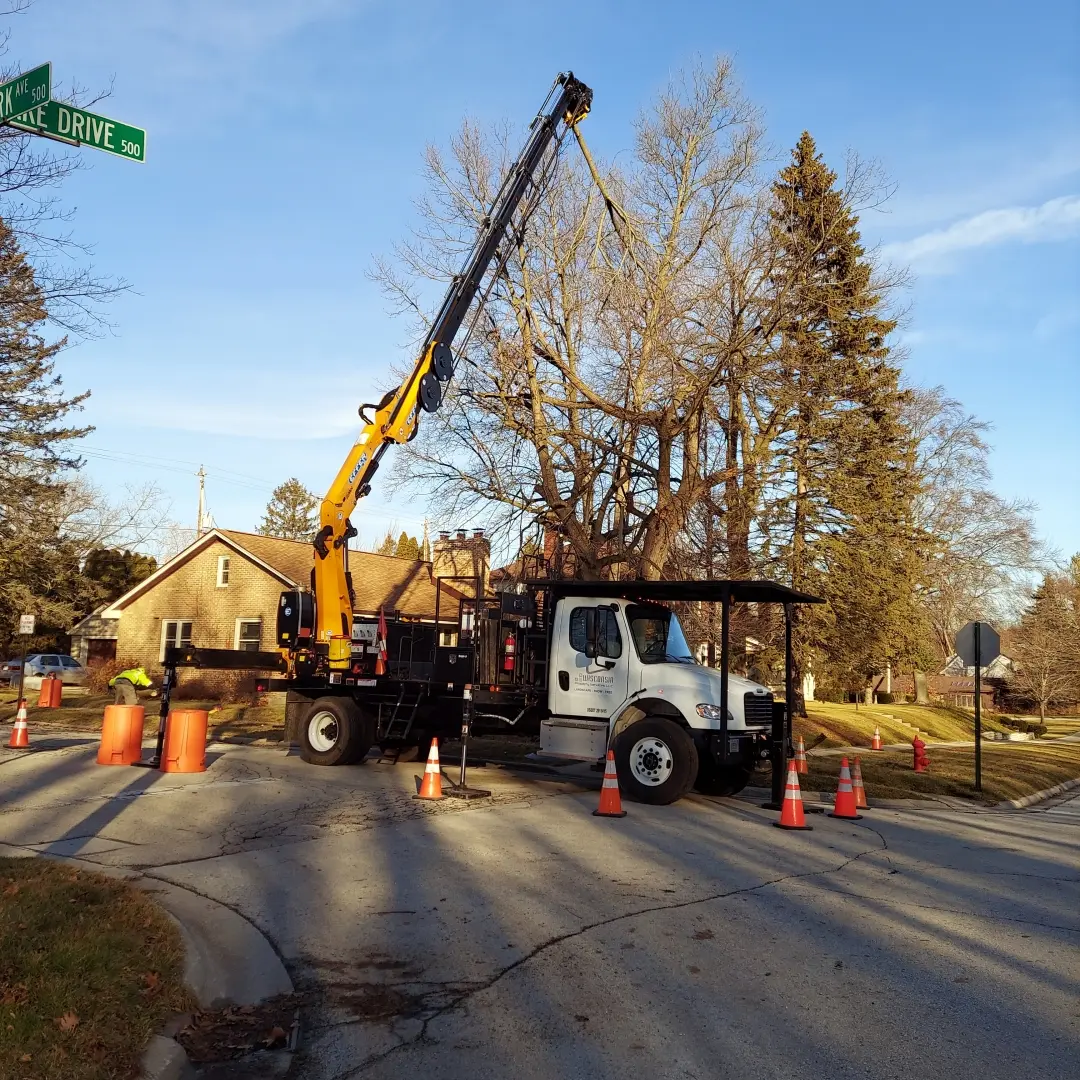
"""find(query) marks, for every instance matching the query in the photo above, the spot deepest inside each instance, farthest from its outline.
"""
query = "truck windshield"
(657, 635)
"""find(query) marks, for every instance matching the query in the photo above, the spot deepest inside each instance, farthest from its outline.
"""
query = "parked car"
(40, 666)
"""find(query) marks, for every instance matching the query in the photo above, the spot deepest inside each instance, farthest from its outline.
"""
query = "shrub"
(225, 687)
(100, 672)
(884, 697)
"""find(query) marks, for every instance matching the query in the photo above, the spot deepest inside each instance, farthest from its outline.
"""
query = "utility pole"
(199, 521)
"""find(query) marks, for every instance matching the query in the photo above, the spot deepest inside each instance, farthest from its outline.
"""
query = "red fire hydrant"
(922, 762)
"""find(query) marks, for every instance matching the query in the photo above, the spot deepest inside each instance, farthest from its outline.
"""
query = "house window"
(249, 635)
(222, 571)
(175, 633)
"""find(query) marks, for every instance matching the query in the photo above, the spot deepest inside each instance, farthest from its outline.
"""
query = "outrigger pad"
(442, 362)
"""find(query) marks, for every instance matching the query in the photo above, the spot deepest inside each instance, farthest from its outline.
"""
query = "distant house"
(222, 591)
(93, 638)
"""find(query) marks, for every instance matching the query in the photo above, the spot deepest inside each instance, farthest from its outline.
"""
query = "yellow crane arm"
(396, 416)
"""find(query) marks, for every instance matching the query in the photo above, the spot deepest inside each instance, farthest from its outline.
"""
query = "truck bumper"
(734, 748)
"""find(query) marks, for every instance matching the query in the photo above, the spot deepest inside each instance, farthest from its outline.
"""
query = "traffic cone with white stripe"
(857, 784)
(800, 759)
(845, 806)
(791, 813)
(610, 800)
(876, 742)
(431, 787)
(20, 734)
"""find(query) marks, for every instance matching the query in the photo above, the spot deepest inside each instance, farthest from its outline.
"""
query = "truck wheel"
(721, 780)
(335, 732)
(657, 761)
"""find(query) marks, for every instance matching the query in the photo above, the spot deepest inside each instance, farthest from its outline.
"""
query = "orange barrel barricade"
(185, 741)
(121, 735)
(51, 693)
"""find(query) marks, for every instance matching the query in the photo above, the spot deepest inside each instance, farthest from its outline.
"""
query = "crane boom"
(396, 416)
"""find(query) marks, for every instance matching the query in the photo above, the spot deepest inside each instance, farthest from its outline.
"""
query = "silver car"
(40, 666)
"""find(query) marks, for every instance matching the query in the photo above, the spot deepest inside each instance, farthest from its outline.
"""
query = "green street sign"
(25, 91)
(78, 127)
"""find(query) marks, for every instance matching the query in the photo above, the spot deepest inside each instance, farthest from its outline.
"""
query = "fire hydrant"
(922, 762)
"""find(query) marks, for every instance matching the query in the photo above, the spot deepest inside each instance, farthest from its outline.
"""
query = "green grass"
(90, 969)
(1008, 772)
(850, 725)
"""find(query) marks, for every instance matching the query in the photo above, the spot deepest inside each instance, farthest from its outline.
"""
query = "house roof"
(379, 581)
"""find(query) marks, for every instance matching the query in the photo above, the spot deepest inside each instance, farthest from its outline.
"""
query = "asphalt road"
(522, 937)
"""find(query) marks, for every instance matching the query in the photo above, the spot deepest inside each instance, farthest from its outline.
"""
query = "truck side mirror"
(590, 633)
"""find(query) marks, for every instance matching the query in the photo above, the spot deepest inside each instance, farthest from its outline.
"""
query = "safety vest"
(136, 676)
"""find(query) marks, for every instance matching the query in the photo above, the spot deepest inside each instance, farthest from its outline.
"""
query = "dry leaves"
(151, 978)
(68, 1022)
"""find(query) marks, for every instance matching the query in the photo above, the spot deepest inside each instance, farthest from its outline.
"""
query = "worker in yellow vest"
(125, 683)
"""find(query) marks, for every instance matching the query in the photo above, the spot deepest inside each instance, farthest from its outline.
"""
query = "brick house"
(221, 592)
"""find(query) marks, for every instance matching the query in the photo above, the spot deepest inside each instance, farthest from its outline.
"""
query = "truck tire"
(335, 732)
(715, 779)
(657, 761)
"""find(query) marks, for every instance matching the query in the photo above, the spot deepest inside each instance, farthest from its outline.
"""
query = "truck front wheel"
(657, 761)
(336, 732)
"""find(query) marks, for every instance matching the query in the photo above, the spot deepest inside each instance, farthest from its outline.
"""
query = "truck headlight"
(712, 712)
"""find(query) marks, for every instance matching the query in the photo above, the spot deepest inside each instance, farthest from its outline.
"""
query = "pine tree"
(846, 459)
(292, 512)
(115, 571)
(39, 571)
(1045, 655)
(407, 547)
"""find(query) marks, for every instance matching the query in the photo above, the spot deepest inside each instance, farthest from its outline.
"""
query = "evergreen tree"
(388, 545)
(292, 512)
(407, 547)
(1046, 654)
(115, 571)
(846, 465)
(39, 570)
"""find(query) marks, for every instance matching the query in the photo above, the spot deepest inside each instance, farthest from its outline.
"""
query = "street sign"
(55, 120)
(25, 91)
(989, 644)
(26, 624)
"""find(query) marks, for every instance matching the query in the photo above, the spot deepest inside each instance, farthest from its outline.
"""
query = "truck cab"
(622, 676)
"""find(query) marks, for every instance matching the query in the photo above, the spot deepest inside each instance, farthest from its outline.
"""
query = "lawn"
(266, 721)
(90, 969)
(850, 725)
(1008, 772)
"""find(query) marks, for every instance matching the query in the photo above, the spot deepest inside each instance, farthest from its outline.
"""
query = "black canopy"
(751, 592)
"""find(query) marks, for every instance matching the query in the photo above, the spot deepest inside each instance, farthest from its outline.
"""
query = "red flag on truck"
(380, 645)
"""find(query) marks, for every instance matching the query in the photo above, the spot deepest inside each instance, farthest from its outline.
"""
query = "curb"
(227, 959)
(1039, 796)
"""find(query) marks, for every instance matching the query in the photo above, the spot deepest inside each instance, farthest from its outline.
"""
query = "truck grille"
(757, 709)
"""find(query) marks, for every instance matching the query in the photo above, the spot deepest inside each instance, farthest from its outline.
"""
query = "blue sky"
(284, 154)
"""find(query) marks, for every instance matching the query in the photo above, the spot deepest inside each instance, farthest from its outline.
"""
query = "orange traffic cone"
(857, 784)
(610, 801)
(791, 814)
(800, 759)
(20, 734)
(845, 807)
(876, 744)
(431, 788)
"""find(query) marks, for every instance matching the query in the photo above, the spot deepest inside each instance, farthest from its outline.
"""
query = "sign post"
(26, 629)
(977, 644)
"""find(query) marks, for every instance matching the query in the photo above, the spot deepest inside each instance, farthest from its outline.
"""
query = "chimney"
(462, 556)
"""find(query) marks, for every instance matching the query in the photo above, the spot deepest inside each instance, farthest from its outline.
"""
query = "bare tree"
(1046, 664)
(981, 551)
(88, 519)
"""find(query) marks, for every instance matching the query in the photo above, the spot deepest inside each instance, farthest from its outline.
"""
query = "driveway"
(522, 937)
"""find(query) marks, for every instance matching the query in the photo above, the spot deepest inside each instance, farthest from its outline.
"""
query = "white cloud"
(1057, 219)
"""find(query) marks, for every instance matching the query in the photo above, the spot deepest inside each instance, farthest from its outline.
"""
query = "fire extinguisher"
(509, 649)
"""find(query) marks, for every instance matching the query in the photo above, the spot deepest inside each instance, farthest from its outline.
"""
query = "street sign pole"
(978, 706)
(26, 630)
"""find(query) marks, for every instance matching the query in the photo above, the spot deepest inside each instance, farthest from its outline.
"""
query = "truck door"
(585, 691)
